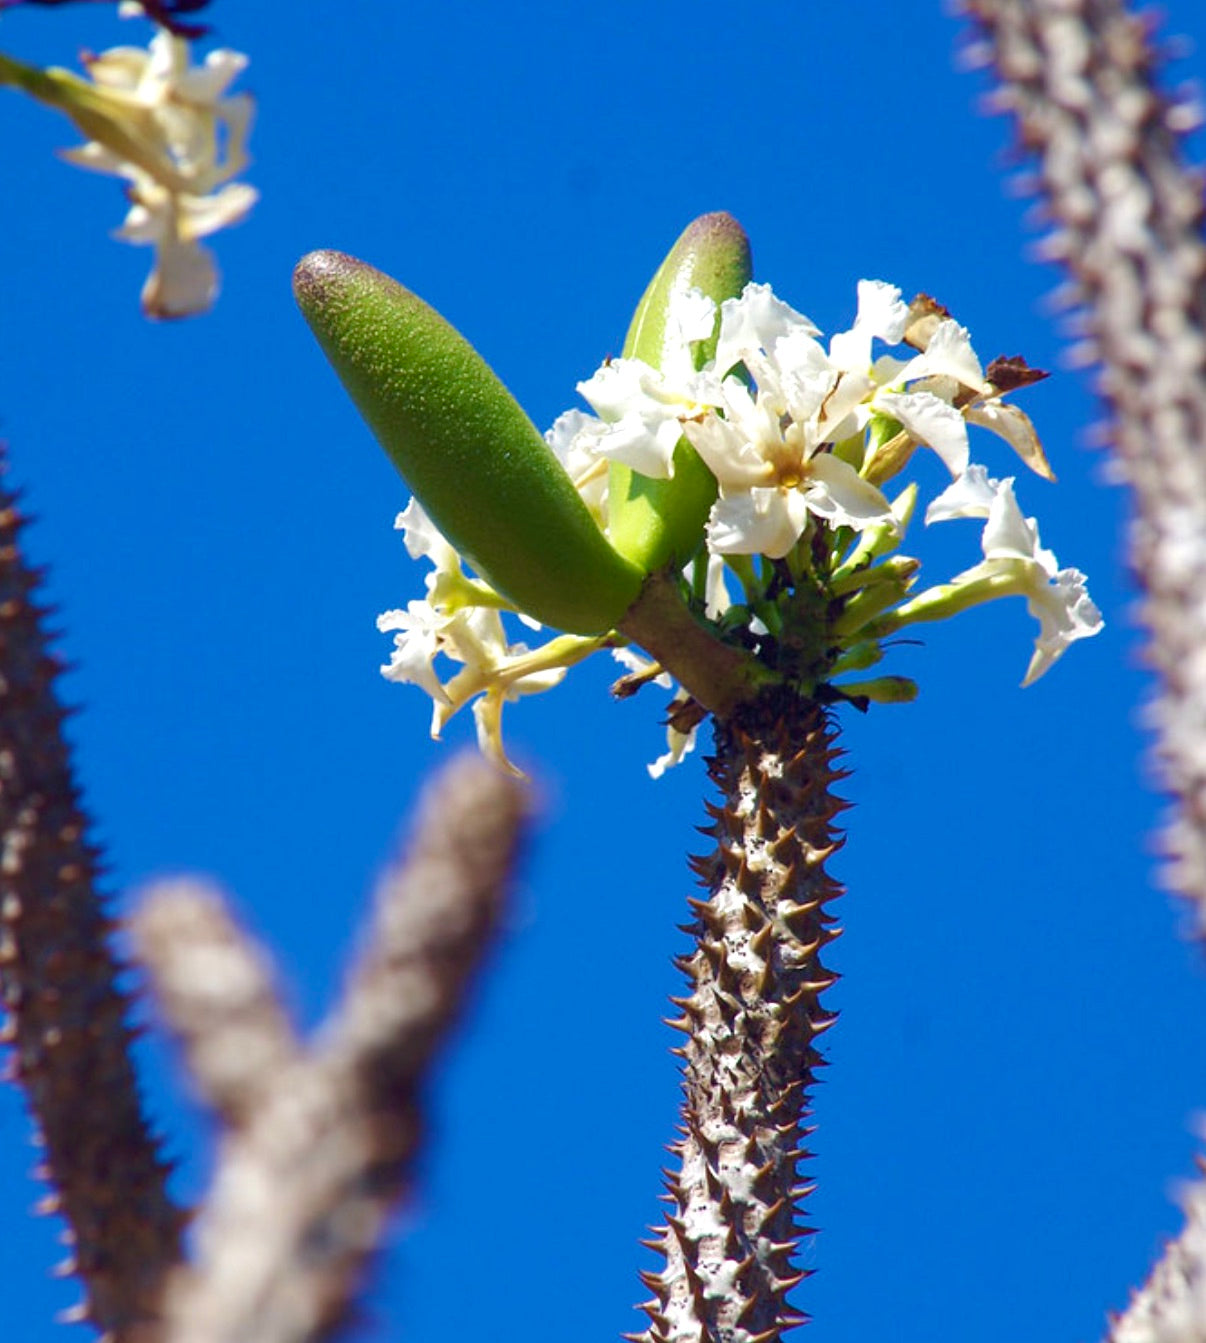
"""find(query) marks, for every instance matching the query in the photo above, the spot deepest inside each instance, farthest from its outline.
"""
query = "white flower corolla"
(170, 130)
(768, 457)
(1015, 562)
(493, 669)
(640, 408)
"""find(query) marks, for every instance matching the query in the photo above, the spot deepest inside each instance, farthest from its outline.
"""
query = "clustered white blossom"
(801, 440)
(178, 140)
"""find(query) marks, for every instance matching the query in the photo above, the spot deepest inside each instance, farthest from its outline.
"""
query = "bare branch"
(1080, 77)
(217, 991)
(1171, 1306)
(67, 1015)
(308, 1176)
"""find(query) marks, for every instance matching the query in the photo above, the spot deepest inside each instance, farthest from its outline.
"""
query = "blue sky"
(1015, 1073)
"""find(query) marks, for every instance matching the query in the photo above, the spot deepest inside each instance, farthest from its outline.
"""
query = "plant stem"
(58, 981)
(751, 1017)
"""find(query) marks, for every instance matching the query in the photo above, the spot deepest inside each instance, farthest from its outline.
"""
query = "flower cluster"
(194, 136)
(173, 133)
(797, 560)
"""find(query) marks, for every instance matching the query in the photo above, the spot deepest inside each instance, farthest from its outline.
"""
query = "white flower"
(640, 408)
(184, 278)
(168, 128)
(768, 455)
(418, 635)
(492, 668)
(1015, 561)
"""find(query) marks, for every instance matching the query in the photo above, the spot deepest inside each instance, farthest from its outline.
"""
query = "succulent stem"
(751, 1017)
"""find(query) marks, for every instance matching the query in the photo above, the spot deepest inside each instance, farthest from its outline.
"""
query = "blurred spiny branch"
(1080, 80)
(318, 1141)
(67, 1016)
(318, 1138)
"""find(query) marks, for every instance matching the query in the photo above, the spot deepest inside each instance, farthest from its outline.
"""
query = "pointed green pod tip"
(712, 254)
(463, 444)
(656, 521)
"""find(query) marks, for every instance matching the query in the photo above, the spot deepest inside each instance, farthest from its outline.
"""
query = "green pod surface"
(655, 521)
(463, 444)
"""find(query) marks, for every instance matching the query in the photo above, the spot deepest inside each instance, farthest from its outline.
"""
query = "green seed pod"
(656, 521)
(463, 444)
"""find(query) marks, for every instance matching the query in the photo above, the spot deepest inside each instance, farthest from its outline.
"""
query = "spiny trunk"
(751, 1019)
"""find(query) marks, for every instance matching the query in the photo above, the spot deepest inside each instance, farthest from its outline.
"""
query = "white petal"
(96, 158)
(1013, 425)
(755, 320)
(1065, 613)
(716, 592)
(882, 311)
(416, 643)
(1008, 535)
(183, 281)
(729, 450)
(118, 68)
(691, 315)
(565, 429)
(881, 314)
(836, 492)
(680, 744)
(850, 391)
(205, 84)
(617, 388)
(932, 422)
(757, 522)
(422, 537)
(202, 215)
(967, 496)
(948, 355)
(647, 448)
